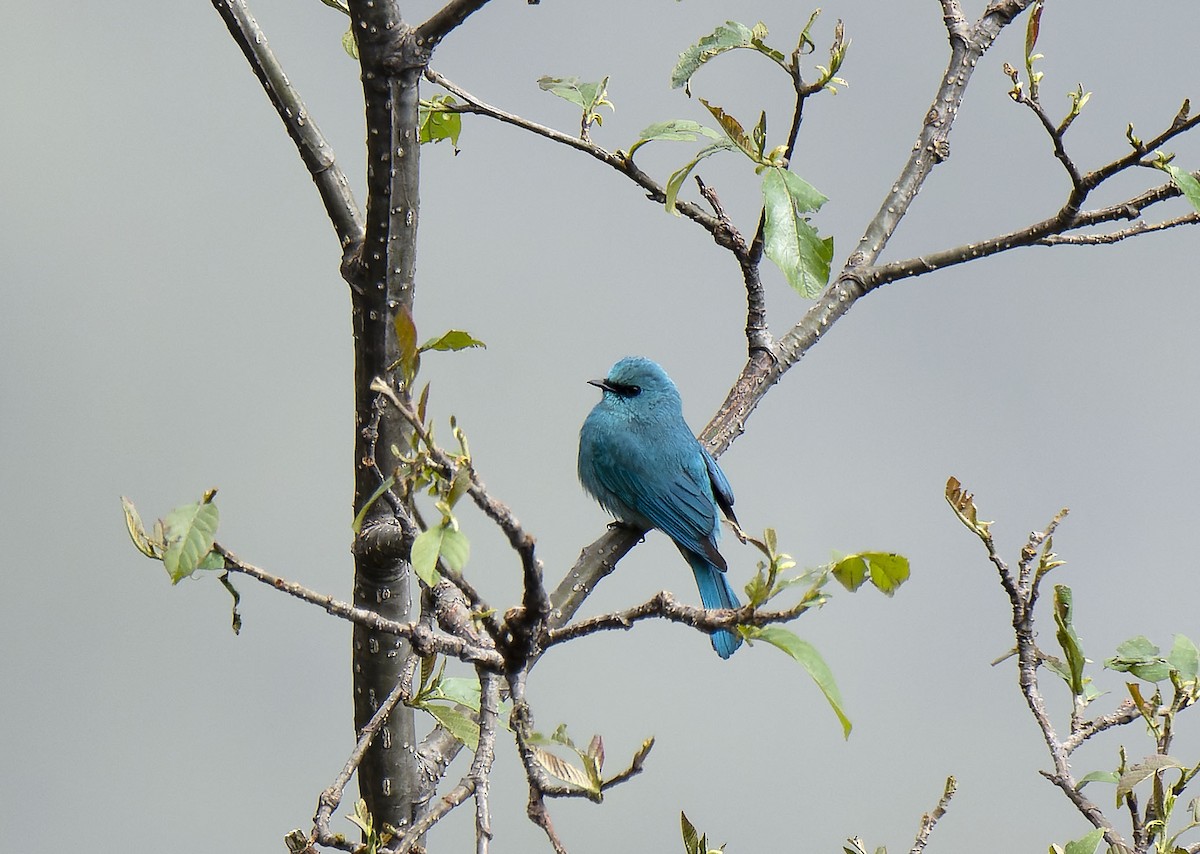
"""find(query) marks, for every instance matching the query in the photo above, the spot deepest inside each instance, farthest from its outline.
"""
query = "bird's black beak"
(602, 384)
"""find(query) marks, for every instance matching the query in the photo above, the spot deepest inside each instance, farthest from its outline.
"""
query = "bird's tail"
(715, 592)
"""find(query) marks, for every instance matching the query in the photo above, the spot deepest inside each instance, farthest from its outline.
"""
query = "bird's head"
(639, 382)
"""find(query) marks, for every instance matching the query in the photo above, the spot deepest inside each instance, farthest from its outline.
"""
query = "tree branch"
(423, 639)
(439, 25)
(618, 161)
(316, 153)
(930, 819)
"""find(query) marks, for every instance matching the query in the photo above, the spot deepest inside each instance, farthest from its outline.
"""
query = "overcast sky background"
(172, 319)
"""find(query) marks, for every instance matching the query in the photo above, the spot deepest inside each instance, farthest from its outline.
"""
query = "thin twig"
(331, 798)
(424, 640)
(930, 819)
(621, 163)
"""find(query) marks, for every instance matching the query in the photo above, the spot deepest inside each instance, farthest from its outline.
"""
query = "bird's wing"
(722, 491)
(675, 500)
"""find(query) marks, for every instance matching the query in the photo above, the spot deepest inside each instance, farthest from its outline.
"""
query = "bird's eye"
(626, 390)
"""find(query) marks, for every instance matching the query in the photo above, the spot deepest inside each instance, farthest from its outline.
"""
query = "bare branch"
(1125, 713)
(930, 819)
(758, 335)
(446, 19)
(332, 796)
(1135, 230)
(314, 150)
(424, 640)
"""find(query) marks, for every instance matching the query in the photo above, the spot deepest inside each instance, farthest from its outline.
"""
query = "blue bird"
(638, 458)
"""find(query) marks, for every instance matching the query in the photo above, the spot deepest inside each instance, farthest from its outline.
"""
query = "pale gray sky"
(172, 319)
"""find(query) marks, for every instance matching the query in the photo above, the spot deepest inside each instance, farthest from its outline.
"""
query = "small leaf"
(851, 571)
(236, 620)
(456, 723)
(691, 836)
(361, 515)
(459, 486)
(1032, 28)
(1186, 183)
(676, 129)
(888, 570)
(806, 654)
(350, 43)
(455, 339)
(596, 751)
(589, 97)
(1086, 844)
(458, 689)
(734, 130)
(456, 548)
(1141, 658)
(1098, 777)
(1185, 658)
(564, 770)
(1143, 770)
(189, 532)
(675, 182)
(137, 532)
(406, 341)
(728, 36)
(963, 503)
(1067, 639)
(788, 239)
(424, 556)
(435, 123)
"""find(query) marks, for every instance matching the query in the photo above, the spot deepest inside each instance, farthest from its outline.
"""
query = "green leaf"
(1186, 183)
(1099, 777)
(137, 532)
(888, 571)
(425, 549)
(1141, 658)
(691, 836)
(676, 129)
(1135, 774)
(435, 123)
(456, 723)
(1067, 639)
(459, 486)
(675, 182)
(1184, 658)
(457, 689)
(789, 241)
(728, 36)
(189, 532)
(456, 548)
(589, 97)
(454, 339)
(851, 571)
(350, 43)
(361, 515)
(1086, 844)
(808, 657)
